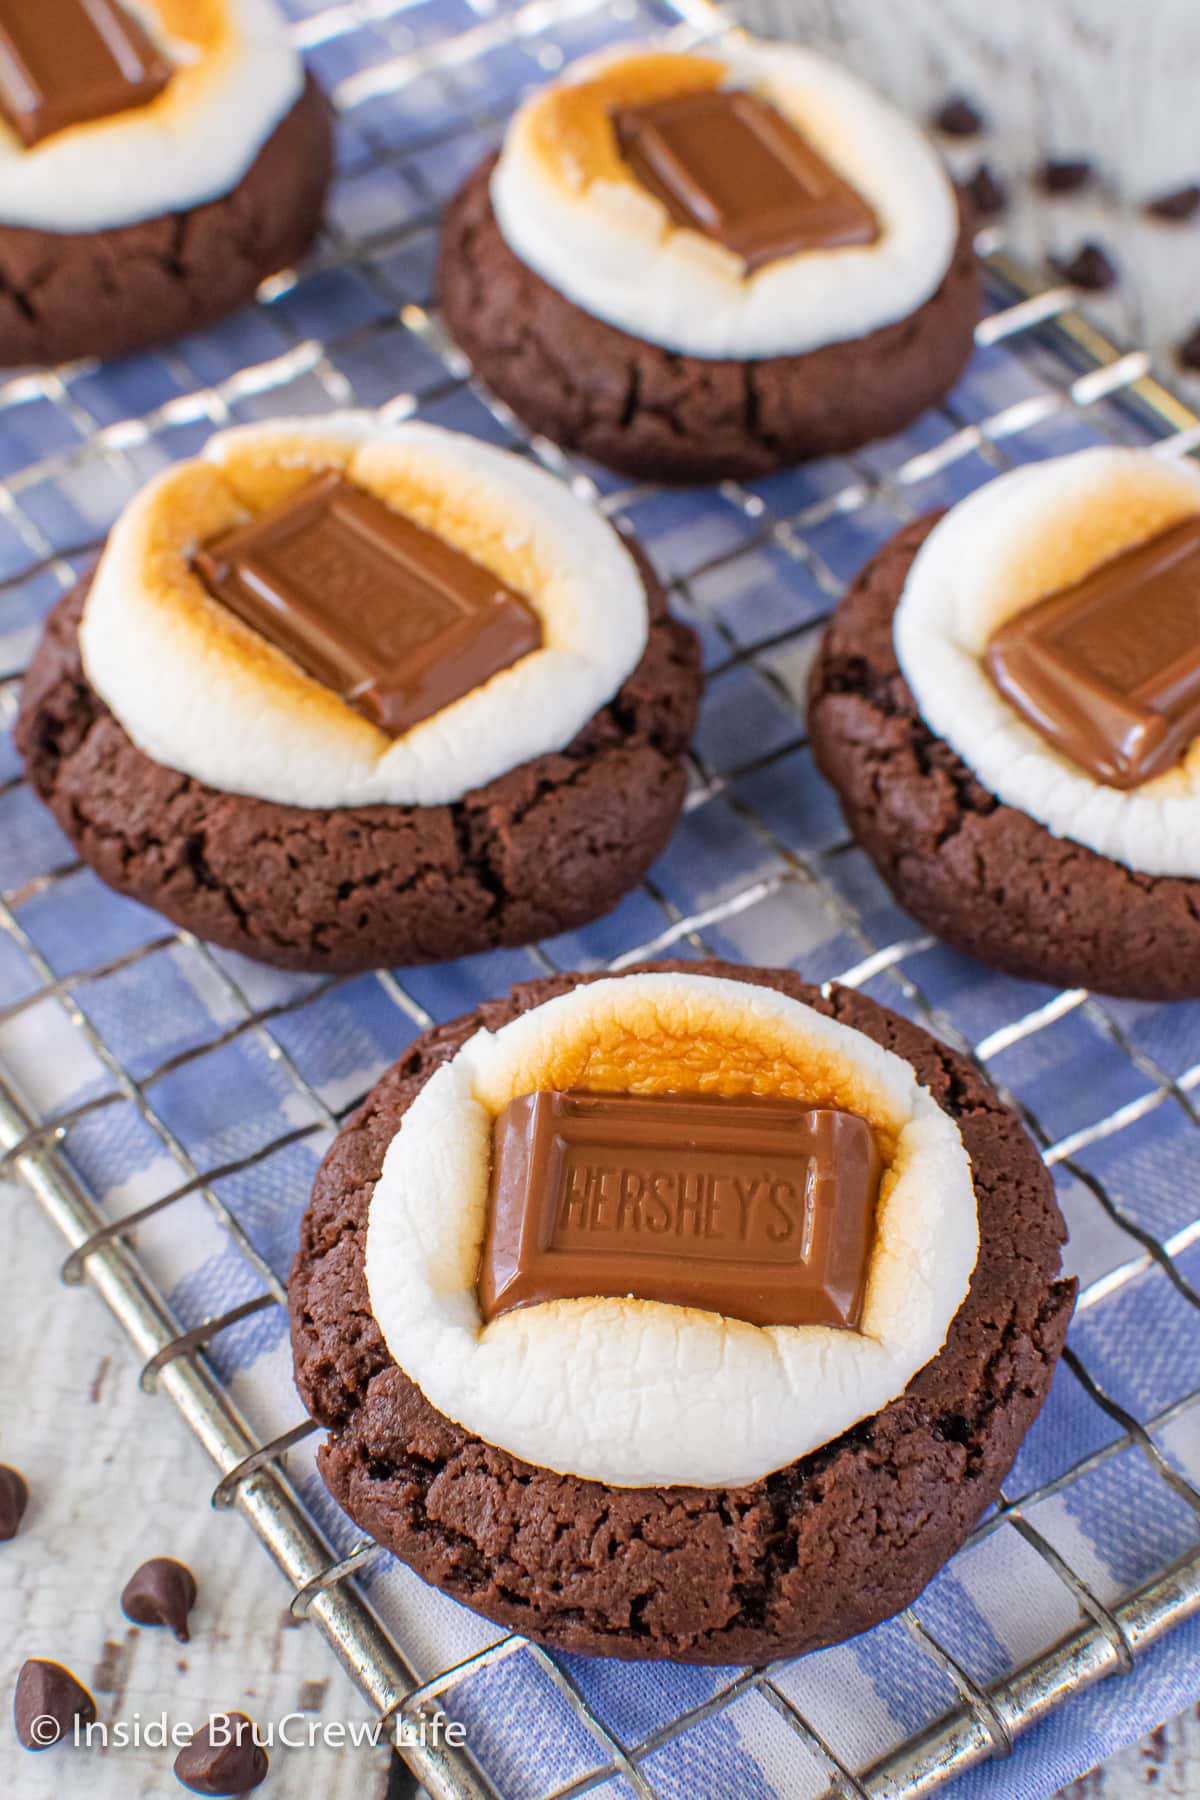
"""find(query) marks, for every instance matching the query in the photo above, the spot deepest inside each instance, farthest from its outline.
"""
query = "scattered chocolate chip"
(14, 1498)
(988, 196)
(1179, 205)
(958, 118)
(161, 1592)
(1090, 268)
(223, 1757)
(1063, 174)
(47, 1702)
(1188, 353)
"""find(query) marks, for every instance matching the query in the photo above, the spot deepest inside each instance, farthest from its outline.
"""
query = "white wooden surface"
(1113, 80)
(115, 1478)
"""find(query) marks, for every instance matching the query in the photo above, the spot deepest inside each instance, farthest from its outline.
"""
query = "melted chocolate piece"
(48, 1703)
(1064, 174)
(1177, 206)
(958, 117)
(14, 1498)
(1188, 351)
(725, 163)
(68, 62)
(160, 1592)
(1091, 268)
(224, 1757)
(1109, 669)
(989, 196)
(759, 1209)
(370, 604)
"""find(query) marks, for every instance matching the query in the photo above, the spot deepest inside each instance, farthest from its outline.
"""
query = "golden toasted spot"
(660, 1044)
(569, 127)
(263, 471)
(1063, 550)
(204, 23)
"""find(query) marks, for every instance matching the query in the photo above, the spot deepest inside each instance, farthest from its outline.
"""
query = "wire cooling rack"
(760, 869)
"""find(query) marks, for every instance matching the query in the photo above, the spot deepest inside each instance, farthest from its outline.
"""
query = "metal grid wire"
(423, 86)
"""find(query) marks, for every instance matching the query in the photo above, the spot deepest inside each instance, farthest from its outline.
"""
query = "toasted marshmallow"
(1026, 535)
(199, 691)
(236, 75)
(572, 209)
(638, 1393)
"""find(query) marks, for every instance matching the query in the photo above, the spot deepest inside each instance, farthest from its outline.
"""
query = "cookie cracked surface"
(546, 848)
(986, 877)
(814, 1553)
(661, 415)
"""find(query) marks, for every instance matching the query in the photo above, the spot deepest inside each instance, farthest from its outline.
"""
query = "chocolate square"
(68, 62)
(1108, 670)
(725, 163)
(370, 604)
(758, 1209)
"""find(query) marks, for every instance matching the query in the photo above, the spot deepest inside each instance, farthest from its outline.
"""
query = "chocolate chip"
(988, 196)
(1188, 353)
(14, 1498)
(161, 1592)
(1090, 268)
(958, 118)
(47, 1702)
(1177, 206)
(223, 1757)
(1064, 174)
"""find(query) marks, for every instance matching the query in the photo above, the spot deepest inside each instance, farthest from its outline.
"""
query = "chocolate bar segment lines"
(389, 616)
(725, 163)
(1108, 669)
(758, 1209)
(70, 62)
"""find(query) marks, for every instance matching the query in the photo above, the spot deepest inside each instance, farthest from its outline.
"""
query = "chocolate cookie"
(984, 876)
(663, 416)
(545, 848)
(105, 293)
(814, 1553)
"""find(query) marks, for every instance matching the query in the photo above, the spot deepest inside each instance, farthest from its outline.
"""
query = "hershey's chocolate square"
(727, 164)
(68, 62)
(370, 604)
(1108, 670)
(757, 1209)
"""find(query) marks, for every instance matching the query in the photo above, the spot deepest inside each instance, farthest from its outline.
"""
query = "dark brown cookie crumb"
(958, 117)
(545, 848)
(14, 1498)
(1064, 175)
(985, 877)
(659, 415)
(988, 194)
(223, 1758)
(1176, 207)
(1091, 268)
(815, 1552)
(160, 1592)
(48, 1703)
